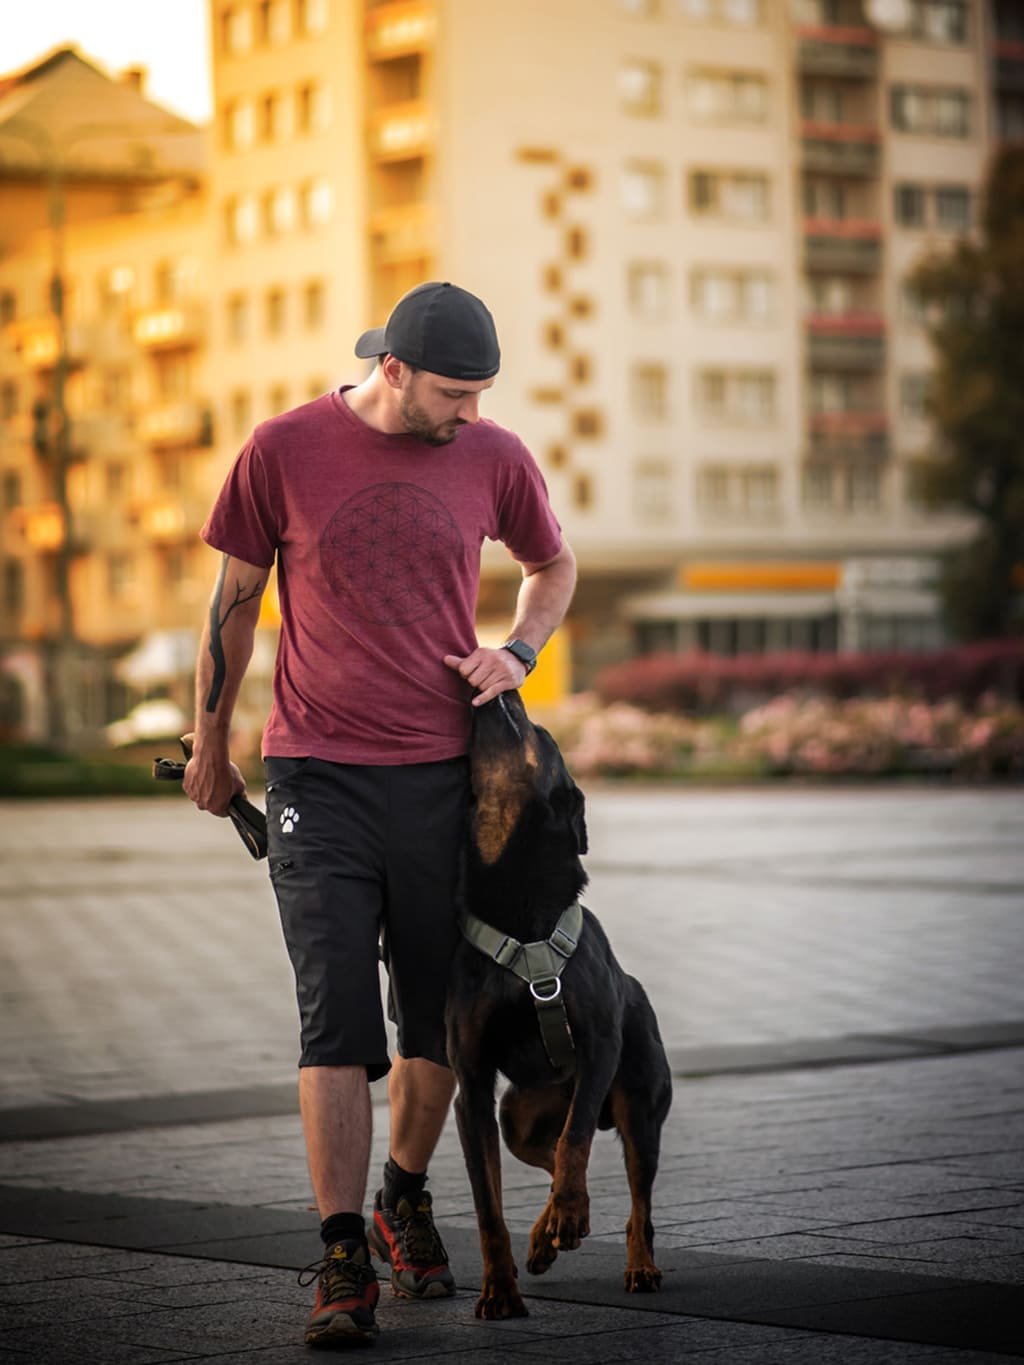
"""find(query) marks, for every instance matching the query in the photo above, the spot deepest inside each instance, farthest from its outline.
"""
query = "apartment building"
(693, 221)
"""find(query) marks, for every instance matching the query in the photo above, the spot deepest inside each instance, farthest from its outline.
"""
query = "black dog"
(522, 872)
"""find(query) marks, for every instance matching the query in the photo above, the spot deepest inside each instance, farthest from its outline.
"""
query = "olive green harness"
(540, 965)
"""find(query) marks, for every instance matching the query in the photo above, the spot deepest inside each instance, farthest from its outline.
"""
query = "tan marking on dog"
(503, 791)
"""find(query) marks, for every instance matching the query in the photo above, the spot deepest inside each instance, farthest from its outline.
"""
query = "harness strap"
(540, 966)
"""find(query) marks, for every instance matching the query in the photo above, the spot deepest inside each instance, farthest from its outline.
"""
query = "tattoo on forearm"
(220, 667)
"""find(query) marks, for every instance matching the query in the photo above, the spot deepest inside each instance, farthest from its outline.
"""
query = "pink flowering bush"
(799, 735)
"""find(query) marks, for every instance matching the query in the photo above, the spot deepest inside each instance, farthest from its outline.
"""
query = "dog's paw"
(571, 1226)
(500, 1301)
(541, 1255)
(645, 1280)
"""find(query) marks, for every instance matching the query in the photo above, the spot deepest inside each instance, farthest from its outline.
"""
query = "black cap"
(440, 328)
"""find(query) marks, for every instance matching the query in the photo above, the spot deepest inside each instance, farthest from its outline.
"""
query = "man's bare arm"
(544, 597)
(224, 652)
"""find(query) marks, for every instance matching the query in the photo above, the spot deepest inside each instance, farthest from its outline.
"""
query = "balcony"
(830, 50)
(99, 435)
(169, 519)
(1008, 66)
(843, 245)
(846, 341)
(175, 424)
(835, 437)
(177, 327)
(841, 149)
(400, 132)
(403, 233)
(37, 342)
(403, 29)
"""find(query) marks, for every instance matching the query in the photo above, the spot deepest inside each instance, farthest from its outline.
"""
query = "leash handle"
(248, 820)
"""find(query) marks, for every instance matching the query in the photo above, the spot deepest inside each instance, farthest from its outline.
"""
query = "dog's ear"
(577, 817)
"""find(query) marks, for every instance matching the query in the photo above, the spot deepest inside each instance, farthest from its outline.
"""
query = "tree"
(974, 297)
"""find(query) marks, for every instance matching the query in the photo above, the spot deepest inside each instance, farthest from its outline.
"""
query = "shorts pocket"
(282, 772)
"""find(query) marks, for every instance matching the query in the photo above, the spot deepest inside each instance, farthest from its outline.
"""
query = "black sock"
(342, 1227)
(399, 1184)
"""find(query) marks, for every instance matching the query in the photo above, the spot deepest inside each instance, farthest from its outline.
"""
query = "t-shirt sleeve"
(242, 522)
(526, 524)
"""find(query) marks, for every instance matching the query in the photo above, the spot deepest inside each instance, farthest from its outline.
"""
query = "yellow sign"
(760, 577)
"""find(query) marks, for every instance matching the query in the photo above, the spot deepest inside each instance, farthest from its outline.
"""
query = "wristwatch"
(523, 652)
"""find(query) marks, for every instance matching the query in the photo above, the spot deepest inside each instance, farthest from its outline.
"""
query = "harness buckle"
(508, 951)
(555, 981)
(563, 943)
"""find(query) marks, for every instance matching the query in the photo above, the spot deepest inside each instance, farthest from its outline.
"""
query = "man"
(374, 500)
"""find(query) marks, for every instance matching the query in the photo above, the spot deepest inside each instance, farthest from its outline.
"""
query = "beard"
(417, 423)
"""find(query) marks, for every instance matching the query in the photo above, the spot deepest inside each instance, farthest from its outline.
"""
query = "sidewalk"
(843, 1168)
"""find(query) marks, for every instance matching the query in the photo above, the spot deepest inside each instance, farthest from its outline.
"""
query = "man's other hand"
(490, 671)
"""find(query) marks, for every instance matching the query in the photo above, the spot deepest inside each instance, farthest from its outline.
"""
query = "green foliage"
(975, 299)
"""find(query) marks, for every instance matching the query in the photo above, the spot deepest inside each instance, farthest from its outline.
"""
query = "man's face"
(433, 407)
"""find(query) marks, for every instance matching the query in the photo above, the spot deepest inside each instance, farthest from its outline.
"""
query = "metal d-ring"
(547, 999)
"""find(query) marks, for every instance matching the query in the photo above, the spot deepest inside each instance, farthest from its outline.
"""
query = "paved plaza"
(838, 977)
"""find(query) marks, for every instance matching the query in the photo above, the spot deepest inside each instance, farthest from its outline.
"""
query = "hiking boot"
(407, 1239)
(346, 1295)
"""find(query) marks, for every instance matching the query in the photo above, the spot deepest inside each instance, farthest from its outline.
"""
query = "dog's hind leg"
(639, 1102)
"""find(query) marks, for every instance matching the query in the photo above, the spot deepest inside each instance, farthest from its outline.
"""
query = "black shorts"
(359, 856)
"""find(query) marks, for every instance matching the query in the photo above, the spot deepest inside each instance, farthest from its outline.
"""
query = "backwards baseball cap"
(440, 328)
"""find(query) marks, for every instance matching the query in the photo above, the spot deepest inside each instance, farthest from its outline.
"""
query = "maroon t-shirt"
(377, 540)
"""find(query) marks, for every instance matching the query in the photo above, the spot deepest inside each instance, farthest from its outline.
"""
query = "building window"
(241, 219)
(652, 490)
(742, 396)
(824, 198)
(913, 308)
(311, 16)
(648, 290)
(236, 29)
(11, 489)
(314, 109)
(239, 125)
(8, 306)
(759, 491)
(939, 21)
(241, 413)
(317, 200)
(279, 211)
(817, 487)
(237, 318)
(727, 96)
(748, 493)
(821, 102)
(278, 399)
(643, 189)
(733, 295)
(576, 244)
(117, 480)
(915, 392)
(744, 12)
(314, 304)
(8, 399)
(317, 387)
(120, 575)
(648, 391)
(278, 22)
(116, 287)
(930, 111)
(276, 312)
(14, 586)
(829, 294)
(832, 393)
(863, 488)
(713, 488)
(953, 208)
(909, 205)
(640, 87)
(587, 424)
(732, 195)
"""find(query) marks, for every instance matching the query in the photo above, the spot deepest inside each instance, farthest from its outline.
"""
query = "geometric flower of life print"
(390, 553)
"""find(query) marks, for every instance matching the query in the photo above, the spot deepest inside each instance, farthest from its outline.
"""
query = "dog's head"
(518, 774)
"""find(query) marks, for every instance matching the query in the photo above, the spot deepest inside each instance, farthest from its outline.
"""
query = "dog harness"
(540, 965)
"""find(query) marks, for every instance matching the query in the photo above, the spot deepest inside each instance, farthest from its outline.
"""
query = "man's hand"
(212, 782)
(490, 671)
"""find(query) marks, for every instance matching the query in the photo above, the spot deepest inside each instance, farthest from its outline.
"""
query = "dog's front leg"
(478, 1131)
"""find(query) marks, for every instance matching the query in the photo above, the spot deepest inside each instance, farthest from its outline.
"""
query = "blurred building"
(693, 220)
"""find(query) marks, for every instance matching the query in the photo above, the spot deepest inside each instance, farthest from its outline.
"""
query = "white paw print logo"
(289, 819)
